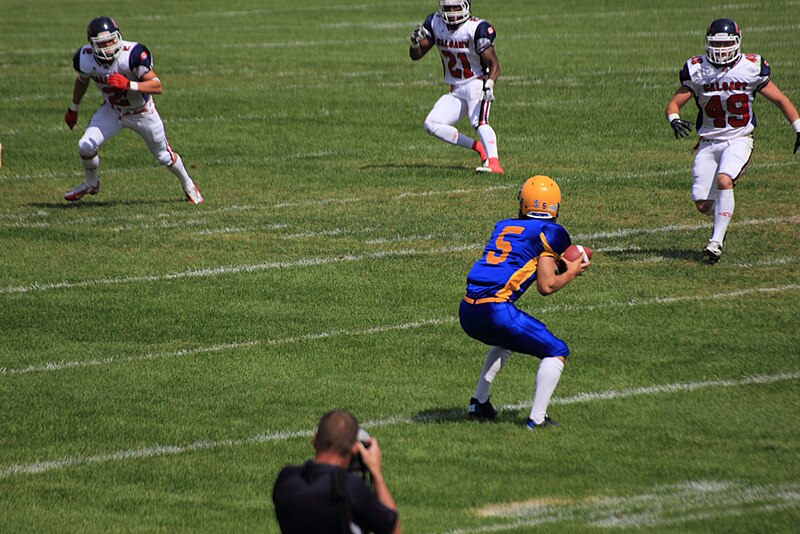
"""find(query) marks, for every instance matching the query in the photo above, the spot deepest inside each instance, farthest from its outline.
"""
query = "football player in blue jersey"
(520, 252)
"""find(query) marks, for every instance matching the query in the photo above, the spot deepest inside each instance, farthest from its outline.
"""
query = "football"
(574, 252)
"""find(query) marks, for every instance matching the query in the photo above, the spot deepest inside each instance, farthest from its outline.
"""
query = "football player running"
(471, 68)
(723, 84)
(520, 252)
(123, 72)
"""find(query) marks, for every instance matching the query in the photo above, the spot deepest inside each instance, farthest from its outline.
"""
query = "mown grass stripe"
(284, 435)
(379, 329)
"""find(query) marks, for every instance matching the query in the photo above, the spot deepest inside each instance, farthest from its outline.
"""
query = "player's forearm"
(151, 87)
(79, 89)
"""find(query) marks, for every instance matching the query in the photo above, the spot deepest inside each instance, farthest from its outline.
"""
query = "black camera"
(356, 462)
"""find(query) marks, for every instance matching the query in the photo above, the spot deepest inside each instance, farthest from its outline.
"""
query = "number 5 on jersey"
(504, 246)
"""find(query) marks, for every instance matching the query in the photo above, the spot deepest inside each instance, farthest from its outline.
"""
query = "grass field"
(160, 362)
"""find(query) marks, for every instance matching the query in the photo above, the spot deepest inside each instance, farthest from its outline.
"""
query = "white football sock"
(723, 212)
(495, 359)
(91, 166)
(546, 381)
(489, 140)
(450, 134)
(179, 170)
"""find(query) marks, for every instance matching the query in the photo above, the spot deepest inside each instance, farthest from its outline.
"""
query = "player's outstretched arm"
(776, 96)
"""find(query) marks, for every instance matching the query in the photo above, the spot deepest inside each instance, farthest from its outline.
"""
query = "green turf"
(160, 362)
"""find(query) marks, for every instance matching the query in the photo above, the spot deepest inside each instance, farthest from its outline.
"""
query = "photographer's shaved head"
(336, 433)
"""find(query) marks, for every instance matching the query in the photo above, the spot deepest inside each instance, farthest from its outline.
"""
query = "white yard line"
(308, 262)
(112, 360)
(232, 269)
(276, 436)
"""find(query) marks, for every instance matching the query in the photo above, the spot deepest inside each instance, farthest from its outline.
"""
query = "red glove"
(118, 80)
(71, 118)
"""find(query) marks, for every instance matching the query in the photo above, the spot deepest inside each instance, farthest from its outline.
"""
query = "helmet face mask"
(723, 42)
(104, 36)
(454, 12)
(539, 198)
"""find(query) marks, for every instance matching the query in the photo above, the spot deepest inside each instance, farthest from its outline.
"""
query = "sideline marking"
(58, 366)
(663, 504)
(271, 437)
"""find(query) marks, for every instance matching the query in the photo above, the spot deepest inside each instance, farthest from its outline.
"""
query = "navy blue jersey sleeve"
(555, 239)
(484, 37)
(684, 74)
(141, 57)
(765, 70)
(76, 59)
(428, 24)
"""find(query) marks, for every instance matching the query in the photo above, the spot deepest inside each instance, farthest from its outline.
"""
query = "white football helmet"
(723, 42)
(454, 12)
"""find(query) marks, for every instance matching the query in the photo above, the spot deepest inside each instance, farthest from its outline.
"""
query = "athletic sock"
(546, 381)
(723, 212)
(91, 166)
(489, 140)
(495, 359)
(179, 170)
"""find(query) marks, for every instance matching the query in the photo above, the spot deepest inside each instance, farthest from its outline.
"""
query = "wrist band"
(134, 86)
(74, 107)
(488, 84)
(796, 125)
(672, 116)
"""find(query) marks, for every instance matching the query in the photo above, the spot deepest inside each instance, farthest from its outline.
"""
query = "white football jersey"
(725, 95)
(133, 62)
(461, 48)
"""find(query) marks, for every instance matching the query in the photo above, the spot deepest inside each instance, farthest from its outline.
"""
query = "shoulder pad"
(140, 57)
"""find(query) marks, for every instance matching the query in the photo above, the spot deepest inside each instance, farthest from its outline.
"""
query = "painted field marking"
(315, 261)
(277, 436)
(664, 504)
(232, 269)
(62, 365)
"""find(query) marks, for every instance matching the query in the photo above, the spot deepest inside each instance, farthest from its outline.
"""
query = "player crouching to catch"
(520, 252)
(123, 72)
(471, 68)
(723, 84)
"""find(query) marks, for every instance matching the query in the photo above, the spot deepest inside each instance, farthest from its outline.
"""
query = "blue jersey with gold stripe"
(509, 262)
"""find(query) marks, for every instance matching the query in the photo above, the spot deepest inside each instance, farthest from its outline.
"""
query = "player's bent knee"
(430, 127)
(165, 158)
(87, 148)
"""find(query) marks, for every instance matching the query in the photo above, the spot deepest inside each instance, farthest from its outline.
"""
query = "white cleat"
(484, 168)
(713, 251)
(77, 193)
(193, 195)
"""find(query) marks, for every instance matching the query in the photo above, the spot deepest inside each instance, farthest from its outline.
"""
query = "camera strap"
(341, 500)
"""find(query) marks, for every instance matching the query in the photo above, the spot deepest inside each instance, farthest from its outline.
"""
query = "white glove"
(488, 91)
(417, 35)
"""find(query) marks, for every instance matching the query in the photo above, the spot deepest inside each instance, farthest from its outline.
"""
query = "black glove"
(797, 143)
(680, 127)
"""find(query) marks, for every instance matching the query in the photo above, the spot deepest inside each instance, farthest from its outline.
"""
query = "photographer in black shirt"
(325, 496)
